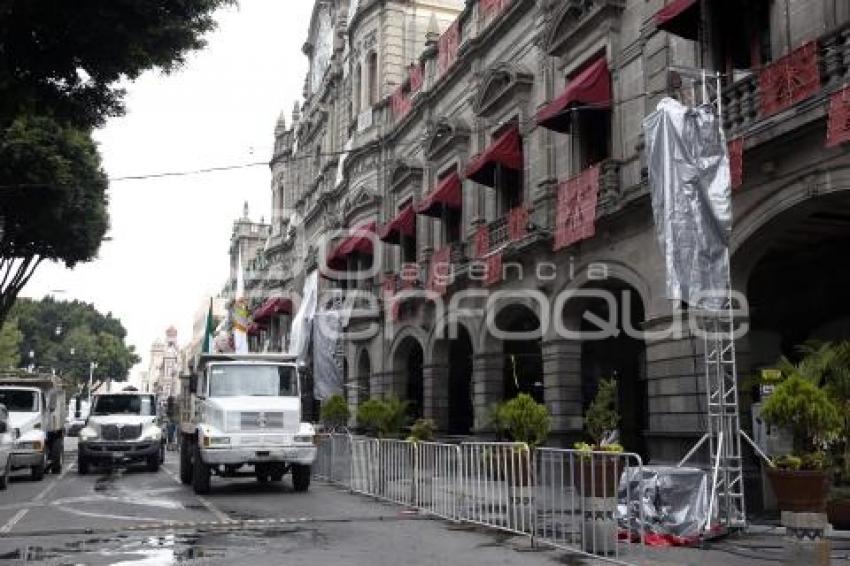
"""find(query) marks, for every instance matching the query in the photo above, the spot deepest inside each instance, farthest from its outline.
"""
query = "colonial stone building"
(503, 139)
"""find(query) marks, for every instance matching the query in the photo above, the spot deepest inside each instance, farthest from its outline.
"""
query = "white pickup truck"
(243, 410)
(36, 405)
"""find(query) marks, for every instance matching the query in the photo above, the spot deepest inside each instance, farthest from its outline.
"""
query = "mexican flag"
(209, 334)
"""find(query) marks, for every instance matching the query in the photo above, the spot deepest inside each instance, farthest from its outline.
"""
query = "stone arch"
(407, 361)
(486, 340)
(448, 375)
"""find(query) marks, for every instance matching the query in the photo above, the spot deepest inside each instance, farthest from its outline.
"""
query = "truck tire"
(4, 481)
(153, 463)
(37, 471)
(57, 453)
(185, 461)
(300, 477)
(82, 464)
(200, 472)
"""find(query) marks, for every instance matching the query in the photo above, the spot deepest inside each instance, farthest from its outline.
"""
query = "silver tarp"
(671, 502)
(299, 340)
(689, 182)
(328, 375)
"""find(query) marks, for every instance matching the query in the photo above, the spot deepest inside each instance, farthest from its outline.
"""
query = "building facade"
(165, 362)
(501, 142)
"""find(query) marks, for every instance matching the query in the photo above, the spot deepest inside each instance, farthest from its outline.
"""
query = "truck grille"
(120, 432)
(259, 421)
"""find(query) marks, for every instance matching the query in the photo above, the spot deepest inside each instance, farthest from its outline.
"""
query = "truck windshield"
(123, 405)
(19, 401)
(253, 381)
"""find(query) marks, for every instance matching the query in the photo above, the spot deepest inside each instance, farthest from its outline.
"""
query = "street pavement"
(133, 517)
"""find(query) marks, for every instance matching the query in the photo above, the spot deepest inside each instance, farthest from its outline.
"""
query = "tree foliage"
(53, 330)
(10, 344)
(334, 412)
(62, 66)
(602, 417)
(524, 419)
(383, 417)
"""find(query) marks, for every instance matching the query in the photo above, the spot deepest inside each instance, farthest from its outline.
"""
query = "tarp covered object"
(328, 378)
(674, 502)
(299, 342)
(689, 181)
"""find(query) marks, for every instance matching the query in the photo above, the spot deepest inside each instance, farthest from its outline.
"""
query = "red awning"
(254, 329)
(404, 224)
(448, 194)
(591, 87)
(505, 151)
(357, 242)
(680, 17)
(273, 306)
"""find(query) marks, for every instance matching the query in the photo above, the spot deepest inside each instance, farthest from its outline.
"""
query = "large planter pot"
(598, 477)
(838, 513)
(803, 491)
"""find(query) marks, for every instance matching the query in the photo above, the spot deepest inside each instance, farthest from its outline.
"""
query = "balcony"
(797, 80)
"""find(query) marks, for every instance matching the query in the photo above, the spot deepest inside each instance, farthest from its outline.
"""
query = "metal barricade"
(576, 503)
(437, 479)
(396, 461)
(364, 466)
(496, 486)
(324, 457)
(333, 458)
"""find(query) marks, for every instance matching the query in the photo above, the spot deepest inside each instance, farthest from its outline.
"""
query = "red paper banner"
(493, 265)
(448, 46)
(481, 242)
(439, 270)
(736, 161)
(416, 77)
(517, 223)
(492, 8)
(401, 103)
(575, 218)
(789, 79)
(838, 123)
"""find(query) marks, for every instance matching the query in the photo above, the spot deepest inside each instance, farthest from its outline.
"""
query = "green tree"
(10, 343)
(61, 71)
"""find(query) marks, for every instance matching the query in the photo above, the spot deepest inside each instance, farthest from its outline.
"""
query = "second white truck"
(243, 411)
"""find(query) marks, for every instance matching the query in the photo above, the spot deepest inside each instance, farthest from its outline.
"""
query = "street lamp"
(92, 367)
(32, 361)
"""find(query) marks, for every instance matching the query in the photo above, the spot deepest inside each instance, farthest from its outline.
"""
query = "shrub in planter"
(522, 419)
(383, 417)
(335, 413)
(422, 431)
(599, 475)
(801, 481)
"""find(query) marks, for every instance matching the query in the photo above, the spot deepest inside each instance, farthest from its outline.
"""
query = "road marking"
(13, 521)
(219, 514)
(37, 499)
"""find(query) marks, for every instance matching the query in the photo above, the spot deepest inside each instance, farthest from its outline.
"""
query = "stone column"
(562, 387)
(436, 394)
(488, 386)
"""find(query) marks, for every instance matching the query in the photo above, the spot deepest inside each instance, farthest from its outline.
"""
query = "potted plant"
(599, 475)
(522, 419)
(385, 418)
(334, 413)
(422, 431)
(801, 479)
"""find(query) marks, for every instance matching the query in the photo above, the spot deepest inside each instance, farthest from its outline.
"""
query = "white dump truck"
(241, 414)
(36, 405)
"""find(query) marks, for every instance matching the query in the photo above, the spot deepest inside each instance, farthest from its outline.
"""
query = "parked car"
(7, 442)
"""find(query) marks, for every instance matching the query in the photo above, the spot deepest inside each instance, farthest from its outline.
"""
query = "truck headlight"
(36, 445)
(304, 438)
(152, 433)
(87, 433)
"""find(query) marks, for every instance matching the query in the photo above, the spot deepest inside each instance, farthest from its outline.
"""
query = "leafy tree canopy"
(10, 344)
(68, 336)
(67, 58)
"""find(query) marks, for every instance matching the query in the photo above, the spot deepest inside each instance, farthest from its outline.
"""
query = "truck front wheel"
(200, 472)
(300, 477)
(37, 471)
(185, 460)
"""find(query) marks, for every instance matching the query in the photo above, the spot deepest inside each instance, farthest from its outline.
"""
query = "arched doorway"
(364, 374)
(523, 356)
(408, 364)
(461, 415)
(797, 288)
(620, 354)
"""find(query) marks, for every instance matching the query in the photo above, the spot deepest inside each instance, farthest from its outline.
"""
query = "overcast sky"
(170, 236)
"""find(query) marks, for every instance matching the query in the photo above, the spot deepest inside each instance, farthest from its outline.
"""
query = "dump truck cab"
(244, 411)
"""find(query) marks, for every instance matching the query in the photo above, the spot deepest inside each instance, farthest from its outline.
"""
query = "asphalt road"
(130, 516)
